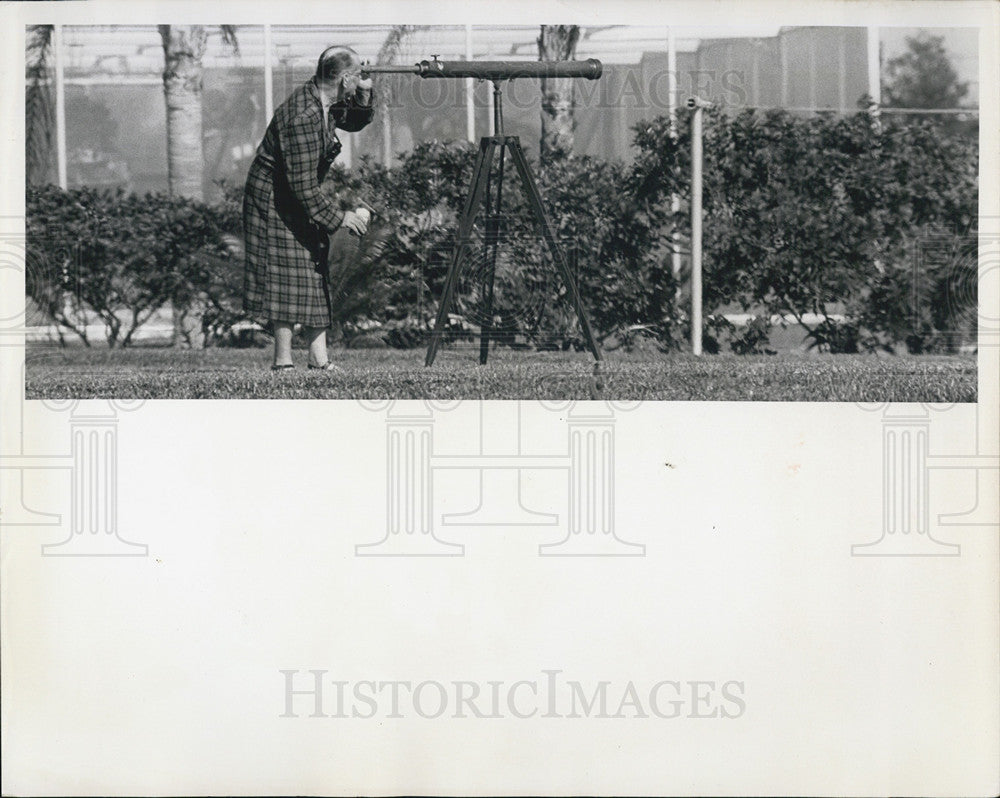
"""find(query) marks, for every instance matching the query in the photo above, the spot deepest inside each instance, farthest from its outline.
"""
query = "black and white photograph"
(605, 398)
(634, 212)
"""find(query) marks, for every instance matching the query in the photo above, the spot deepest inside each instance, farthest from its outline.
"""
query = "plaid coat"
(286, 218)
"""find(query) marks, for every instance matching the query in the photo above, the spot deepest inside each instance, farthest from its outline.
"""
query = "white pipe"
(874, 67)
(470, 108)
(491, 108)
(696, 163)
(812, 72)
(386, 138)
(346, 156)
(842, 71)
(783, 51)
(268, 76)
(672, 80)
(57, 48)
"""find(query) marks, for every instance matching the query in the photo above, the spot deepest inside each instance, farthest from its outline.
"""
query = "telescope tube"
(494, 70)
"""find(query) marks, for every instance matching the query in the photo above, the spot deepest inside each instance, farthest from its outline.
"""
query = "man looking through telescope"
(287, 219)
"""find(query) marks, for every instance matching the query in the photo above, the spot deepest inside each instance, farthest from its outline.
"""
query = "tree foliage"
(923, 76)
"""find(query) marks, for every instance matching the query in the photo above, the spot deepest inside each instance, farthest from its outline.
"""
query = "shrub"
(604, 237)
(122, 257)
(754, 338)
(837, 219)
(815, 215)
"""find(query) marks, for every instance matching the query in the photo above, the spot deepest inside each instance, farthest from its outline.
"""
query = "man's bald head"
(334, 63)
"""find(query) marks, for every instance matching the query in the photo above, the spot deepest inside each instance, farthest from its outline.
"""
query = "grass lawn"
(157, 373)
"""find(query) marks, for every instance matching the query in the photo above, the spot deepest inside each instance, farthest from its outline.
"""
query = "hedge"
(862, 231)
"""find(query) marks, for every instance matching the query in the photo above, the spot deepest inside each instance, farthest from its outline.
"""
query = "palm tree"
(183, 50)
(39, 116)
(391, 87)
(557, 43)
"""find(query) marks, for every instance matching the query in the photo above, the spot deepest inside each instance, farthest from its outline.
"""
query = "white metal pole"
(470, 91)
(874, 69)
(675, 201)
(696, 163)
(491, 110)
(783, 52)
(672, 79)
(57, 49)
(842, 71)
(347, 152)
(386, 138)
(812, 71)
(268, 77)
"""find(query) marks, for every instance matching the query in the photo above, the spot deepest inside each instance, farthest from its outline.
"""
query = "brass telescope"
(492, 70)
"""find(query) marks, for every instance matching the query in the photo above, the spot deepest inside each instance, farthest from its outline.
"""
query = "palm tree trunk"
(557, 43)
(183, 48)
(391, 87)
(39, 116)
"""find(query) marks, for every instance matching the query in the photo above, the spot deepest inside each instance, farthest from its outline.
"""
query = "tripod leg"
(535, 200)
(489, 278)
(480, 173)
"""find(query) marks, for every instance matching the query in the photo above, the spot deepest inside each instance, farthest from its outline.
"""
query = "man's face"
(355, 85)
(352, 78)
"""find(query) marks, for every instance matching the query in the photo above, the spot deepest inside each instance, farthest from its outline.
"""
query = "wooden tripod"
(480, 190)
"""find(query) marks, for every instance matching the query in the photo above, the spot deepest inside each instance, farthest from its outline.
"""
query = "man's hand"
(363, 93)
(353, 85)
(355, 222)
